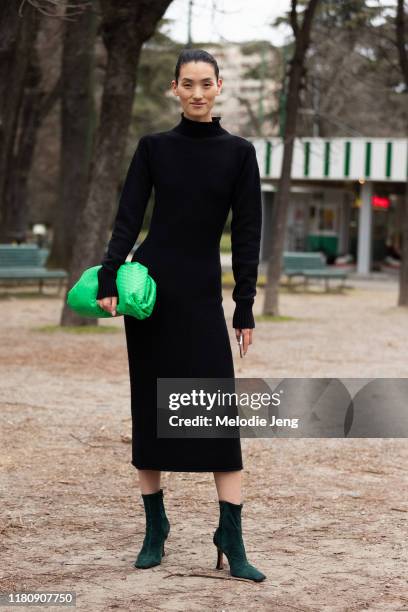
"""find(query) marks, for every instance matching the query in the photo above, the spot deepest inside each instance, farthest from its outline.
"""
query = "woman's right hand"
(109, 304)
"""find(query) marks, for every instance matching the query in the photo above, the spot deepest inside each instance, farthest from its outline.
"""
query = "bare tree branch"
(401, 44)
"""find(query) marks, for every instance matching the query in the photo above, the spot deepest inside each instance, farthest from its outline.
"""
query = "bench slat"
(26, 261)
(309, 265)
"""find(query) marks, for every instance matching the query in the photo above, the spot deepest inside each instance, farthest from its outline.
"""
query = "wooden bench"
(310, 266)
(22, 262)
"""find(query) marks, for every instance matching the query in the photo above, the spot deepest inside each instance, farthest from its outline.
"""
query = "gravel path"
(325, 519)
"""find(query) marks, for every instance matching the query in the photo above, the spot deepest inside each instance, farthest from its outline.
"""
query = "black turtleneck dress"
(199, 171)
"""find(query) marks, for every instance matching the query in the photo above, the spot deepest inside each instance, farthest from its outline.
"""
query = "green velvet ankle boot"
(228, 540)
(157, 530)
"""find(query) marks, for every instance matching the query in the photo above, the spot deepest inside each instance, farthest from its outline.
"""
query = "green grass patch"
(79, 329)
(275, 318)
(225, 244)
(26, 295)
(228, 280)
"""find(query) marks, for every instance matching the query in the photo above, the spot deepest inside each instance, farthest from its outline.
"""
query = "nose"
(197, 94)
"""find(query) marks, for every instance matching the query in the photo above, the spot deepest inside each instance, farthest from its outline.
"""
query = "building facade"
(347, 196)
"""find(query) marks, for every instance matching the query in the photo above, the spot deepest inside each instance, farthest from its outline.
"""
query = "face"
(197, 88)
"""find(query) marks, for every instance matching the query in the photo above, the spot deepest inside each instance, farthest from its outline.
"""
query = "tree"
(77, 129)
(279, 217)
(23, 104)
(401, 37)
(125, 27)
(17, 73)
(357, 61)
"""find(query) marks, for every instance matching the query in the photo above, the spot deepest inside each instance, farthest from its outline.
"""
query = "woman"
(199, 171)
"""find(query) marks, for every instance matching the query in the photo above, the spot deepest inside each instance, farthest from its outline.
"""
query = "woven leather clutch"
(136, 289)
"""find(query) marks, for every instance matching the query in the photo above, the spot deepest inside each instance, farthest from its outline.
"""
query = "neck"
(199, 129)
(202, 119)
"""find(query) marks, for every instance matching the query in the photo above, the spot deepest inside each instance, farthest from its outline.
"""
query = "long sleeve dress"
(199, 171)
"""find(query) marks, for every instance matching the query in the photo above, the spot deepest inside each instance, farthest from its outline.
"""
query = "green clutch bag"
(136, 289)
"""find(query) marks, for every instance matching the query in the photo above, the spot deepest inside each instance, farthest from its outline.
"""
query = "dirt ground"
(325, 519)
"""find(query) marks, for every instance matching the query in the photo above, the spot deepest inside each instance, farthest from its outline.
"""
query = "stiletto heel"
(228, 539)
(220, 562)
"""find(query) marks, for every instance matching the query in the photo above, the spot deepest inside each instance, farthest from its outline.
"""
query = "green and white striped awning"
(378, 159)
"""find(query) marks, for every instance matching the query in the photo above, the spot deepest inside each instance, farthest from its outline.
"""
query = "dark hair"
(195, 55)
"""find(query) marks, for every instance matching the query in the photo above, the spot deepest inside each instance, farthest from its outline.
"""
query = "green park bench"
(23, 262)
(310, 265)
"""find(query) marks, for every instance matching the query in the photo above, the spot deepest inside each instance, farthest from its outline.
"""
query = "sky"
(233, 20)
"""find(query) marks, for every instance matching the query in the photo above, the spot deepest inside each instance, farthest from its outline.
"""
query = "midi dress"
(198, 171)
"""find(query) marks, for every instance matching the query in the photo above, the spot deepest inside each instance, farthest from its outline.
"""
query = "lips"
(197, 104)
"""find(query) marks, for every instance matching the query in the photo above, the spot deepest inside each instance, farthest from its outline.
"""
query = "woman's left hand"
(246, 338)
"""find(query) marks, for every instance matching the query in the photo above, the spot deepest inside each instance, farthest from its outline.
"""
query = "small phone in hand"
(240, 342)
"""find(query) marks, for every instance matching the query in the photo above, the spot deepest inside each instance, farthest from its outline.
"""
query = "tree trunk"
(403, 271)
(125, 27)
(281, 202)
(403, 61)
(16, 195)
(17, 38)
(77, 130)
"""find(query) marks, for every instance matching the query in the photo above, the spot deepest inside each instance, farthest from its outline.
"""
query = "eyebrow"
(205, 79)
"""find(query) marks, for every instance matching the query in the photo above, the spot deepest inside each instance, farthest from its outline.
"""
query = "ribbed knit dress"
(199, 171)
